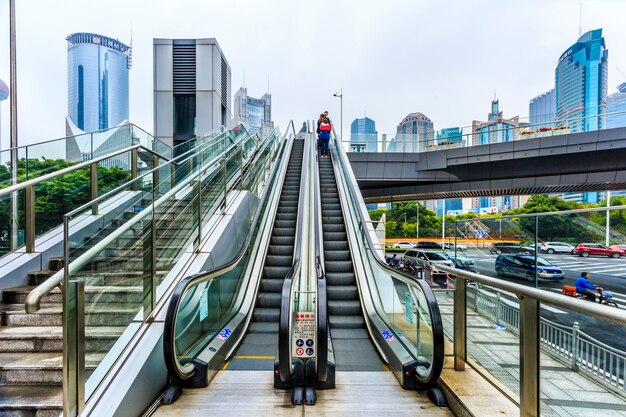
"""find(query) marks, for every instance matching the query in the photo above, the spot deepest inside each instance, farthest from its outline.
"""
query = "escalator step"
(336, 245)
(268, 299)
(338, 266)
(280, 250)
(350, 334)
(340, 278)
(271, 285)
(329, 219)
(342, 292)
(332, 228)
(276, 272)
(344, 307)
(278, 260)
(337, 255)
(346, 322)
(282, 240)
(266, 314)
(285, 224)
(335, 236)
(263, 327)
(283, 231)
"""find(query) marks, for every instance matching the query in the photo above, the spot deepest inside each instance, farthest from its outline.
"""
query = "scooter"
(605, 297)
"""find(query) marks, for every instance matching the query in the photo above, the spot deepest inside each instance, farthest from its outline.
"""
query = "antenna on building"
(580, 21)
(268, 84)
(130, 50)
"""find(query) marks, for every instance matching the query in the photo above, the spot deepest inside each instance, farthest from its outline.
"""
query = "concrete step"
(31, 401)
(50, 339)
(50, 315)
(39, 368)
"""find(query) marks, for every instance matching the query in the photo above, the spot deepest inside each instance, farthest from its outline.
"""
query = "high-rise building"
(414, 133)
(4, 94)
(363, 135)
(255, 113)
(450, 136)
(581, 77)
(97, 81)
(192, 88)
(616, 108)
(542, 110)
(496, 129)
(499, 203)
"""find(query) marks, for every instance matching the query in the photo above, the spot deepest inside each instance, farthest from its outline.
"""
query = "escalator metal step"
(266, 314)
(337, 255)
(268, 299)
(344, 307)
(278, 260)
(342, 292)
(340, 278)
(272, 284)
(346, 322)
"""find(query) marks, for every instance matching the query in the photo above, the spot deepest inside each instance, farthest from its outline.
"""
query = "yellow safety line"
(226, 364)
(385, 367)
(255, 357)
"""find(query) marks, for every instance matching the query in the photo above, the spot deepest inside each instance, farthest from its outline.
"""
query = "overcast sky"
(443, 58)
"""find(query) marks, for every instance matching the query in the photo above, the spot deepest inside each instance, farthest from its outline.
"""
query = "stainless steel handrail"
(33, 300)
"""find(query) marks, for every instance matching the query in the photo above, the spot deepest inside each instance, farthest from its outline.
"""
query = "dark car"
(586, 249)
(523, 266)
(428, 245)
(509, 247)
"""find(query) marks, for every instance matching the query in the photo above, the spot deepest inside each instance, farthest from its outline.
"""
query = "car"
(403, 245)
(428, 245)
(557, 247)
(459, 258)
(420, 257)
(523, 266)
(620, 247)
(509, 247)
(587, 249)
(451, 246)
(529, 248)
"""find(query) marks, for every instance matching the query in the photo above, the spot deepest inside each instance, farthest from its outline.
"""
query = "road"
(606, 272)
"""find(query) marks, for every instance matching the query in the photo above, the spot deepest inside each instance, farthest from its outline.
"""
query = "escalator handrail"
(424, 288)
(284, 322)
(169, 331)
(322, 295)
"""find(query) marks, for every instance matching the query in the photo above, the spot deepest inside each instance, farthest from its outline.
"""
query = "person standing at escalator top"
(324, 135)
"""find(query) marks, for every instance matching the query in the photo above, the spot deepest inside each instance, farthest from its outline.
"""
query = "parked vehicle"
(509, 247)
(451, 246)
(618, 247)
(461, 262)
(428, 260)
(403, 245)
(523, 266)
(428, 245)
(556, 247)
(587, 249)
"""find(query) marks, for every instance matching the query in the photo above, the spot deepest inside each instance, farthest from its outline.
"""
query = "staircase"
(262, 336)
(351, 343)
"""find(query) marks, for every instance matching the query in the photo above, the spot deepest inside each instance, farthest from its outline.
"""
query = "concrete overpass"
(586, 161)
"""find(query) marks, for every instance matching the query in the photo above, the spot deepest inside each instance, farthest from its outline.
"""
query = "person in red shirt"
(325, 128)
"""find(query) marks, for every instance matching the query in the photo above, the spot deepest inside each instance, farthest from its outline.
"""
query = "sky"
(444, 58)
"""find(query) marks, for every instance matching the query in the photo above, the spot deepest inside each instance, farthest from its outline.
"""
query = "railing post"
(133, 166)
(29, 220)
(460, 322)
(225, 179)
(497, 312)
(155, 174)
(197, 207)
(74, 348)
(93, 186)
(241, 166)
(149, 266)
(529, 357)
(574, 348)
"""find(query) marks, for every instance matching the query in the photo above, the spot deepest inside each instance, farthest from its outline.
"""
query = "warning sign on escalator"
(304, 335)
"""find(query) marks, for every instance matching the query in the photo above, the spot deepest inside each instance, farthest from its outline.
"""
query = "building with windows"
(581, 78)
(414, 133)
(363, 135)
(4, 94)
(192, 89)
(542, 110)
(450, 136)
(496, 129)
(97, 81)
(616, 108)
(255, 113)
(498, 204)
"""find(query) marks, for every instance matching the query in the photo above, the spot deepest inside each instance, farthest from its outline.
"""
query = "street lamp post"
(340, 95)
(608, 217)
(13, 104)
(417, 226)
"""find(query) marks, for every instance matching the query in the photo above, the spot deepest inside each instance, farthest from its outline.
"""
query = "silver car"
(556, 247)
(421, 257)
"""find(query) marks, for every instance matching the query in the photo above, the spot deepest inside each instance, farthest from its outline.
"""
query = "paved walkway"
(564, 392)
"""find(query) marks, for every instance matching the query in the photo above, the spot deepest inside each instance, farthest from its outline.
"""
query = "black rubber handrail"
(169, 331)
(322, 295)
(427, 292)
(284, 322)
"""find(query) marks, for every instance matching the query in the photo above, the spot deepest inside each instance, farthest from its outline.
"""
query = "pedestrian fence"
(581, 351)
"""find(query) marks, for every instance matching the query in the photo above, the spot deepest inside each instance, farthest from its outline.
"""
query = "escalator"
(258, 348)
(351, 343)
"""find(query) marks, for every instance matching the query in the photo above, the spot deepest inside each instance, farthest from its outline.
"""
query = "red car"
(586, 249)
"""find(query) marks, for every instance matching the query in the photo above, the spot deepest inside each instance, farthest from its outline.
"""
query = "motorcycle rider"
(584, 287)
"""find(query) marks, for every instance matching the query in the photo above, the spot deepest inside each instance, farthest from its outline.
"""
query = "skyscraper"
(542, 110)
(414, 133)
(616, 107)
(192, 88)
(4, 94)
(581, 77)
(255, 113)
(450, 136)
(496, 129)
(97, 81)
(363, 135)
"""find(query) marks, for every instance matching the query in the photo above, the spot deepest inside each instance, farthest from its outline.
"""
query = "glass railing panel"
(493, 336)
(583, 364)
(11, 209)
(107, 252)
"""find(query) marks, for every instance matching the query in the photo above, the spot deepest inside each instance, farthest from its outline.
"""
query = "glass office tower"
(616, 107)
(97, 78)
(363, 135)
(255, 113)
(496, 129)
(542, 110)
(414, 133)
(581, 84)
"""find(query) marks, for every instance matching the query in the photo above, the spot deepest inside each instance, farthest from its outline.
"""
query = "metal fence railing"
(581, 351)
